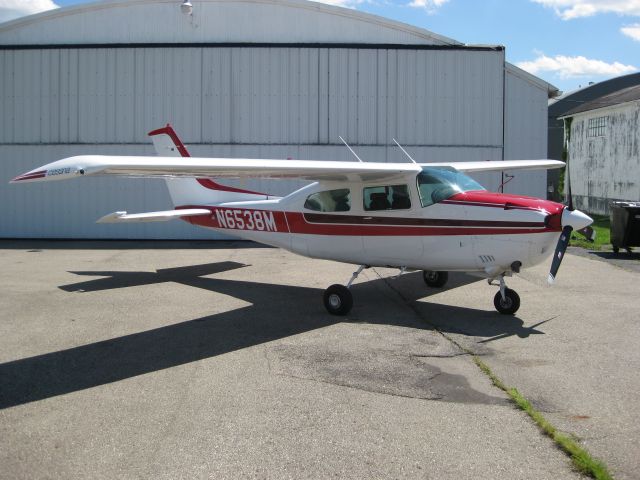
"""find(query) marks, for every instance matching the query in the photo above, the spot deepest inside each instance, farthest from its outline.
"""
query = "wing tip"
(29, 176)
(111, 217)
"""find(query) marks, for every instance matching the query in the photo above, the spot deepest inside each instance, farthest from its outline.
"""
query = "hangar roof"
(568, 102)
(155, 21)
(618, 97)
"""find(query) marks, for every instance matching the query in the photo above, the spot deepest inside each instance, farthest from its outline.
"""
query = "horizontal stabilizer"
(124, 217)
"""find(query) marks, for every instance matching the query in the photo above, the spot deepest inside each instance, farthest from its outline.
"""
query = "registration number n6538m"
(246, 219)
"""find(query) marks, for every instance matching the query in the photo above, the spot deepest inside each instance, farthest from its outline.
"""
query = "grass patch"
(582, 460)
(601, 224)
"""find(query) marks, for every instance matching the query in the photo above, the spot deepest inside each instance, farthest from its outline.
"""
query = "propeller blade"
(561, 247)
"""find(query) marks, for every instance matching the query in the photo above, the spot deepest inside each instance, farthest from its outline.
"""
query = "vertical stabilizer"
(195, 191)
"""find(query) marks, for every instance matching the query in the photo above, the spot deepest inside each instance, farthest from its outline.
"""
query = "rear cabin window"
(389, 197)
(329, 201)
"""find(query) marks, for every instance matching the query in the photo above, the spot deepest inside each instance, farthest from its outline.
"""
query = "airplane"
(412, 216)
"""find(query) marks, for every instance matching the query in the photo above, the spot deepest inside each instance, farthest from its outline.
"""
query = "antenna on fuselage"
(404, 151)
(350, 149)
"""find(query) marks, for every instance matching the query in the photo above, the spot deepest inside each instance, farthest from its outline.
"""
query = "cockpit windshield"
(439, 183)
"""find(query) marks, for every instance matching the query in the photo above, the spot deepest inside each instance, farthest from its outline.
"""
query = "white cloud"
(429, 5)
(10, 9)
(571, 67)
(632, 31)
(570, 9)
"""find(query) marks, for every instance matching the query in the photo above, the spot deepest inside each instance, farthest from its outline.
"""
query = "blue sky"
(566, 42)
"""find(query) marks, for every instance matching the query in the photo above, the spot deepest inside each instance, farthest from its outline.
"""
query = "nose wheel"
(506, 301)
(509, 304)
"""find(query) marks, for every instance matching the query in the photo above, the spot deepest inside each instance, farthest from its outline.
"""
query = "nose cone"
(575, 219)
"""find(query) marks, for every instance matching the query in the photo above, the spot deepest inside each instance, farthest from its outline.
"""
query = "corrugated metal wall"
(525, 133)
(236, 101)
(252, 95)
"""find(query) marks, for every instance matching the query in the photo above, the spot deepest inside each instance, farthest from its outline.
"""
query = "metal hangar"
(247, 78)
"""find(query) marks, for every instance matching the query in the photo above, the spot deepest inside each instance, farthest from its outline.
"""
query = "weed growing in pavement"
(582, 460)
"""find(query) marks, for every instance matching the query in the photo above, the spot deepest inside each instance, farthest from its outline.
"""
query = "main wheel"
(509, 305)
(615, 249)
(338, 300)
(435, 279)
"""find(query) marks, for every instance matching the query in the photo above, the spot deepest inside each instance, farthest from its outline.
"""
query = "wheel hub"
(334, 301)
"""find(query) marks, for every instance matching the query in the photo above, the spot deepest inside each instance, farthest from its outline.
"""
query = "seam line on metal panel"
(392, 46)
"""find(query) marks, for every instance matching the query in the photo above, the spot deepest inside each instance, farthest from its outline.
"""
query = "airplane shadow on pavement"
(276, 312)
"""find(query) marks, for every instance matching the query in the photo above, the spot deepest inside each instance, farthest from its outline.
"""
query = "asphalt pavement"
(218, 360)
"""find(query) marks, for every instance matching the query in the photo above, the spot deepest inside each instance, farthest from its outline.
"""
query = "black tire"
(435, 279)
(510, 305)
(616, 249)
(338, 300)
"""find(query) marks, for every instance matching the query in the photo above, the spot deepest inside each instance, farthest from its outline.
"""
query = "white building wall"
(607, 167)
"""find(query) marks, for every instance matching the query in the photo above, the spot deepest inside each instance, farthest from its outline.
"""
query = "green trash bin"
(625, 225)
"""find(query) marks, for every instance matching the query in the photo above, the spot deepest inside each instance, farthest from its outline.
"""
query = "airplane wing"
(124, 217)
(497, 165)
(312, 170)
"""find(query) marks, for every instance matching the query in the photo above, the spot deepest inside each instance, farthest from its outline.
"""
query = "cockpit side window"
(329, 201)
(439, 183)
(389, 197)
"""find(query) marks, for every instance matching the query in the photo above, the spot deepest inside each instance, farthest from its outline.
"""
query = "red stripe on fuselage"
(329, 224)
(299, 224)
(415, 222)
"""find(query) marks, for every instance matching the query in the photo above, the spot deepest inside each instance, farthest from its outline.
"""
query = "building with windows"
(269, 79)
(561, 105)
(603, 139)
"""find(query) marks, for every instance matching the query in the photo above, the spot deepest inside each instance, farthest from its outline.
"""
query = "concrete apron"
(221, 362)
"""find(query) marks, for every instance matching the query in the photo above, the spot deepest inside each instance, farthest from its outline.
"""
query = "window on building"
(329, 201)
(390, 197)
(597, 127)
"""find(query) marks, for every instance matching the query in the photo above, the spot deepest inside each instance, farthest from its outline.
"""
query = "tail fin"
(195, 191)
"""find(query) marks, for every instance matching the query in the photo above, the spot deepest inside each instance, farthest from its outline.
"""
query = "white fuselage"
(474, 234)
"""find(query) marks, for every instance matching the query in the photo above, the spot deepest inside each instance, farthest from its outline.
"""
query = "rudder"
(195, 191)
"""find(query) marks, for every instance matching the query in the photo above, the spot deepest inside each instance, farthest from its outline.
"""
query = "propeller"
(558, 255)
(571, 218)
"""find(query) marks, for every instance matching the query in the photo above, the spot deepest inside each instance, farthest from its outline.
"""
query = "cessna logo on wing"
(58, 171)
(246, 219)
